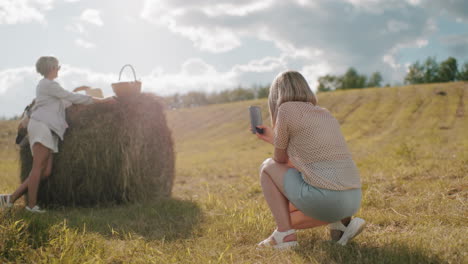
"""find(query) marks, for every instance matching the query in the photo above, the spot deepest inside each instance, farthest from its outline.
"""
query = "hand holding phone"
(255, 119)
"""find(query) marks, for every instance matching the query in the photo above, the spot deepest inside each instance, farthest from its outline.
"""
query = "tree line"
(199, 98)
(429, 71)
(350, 80)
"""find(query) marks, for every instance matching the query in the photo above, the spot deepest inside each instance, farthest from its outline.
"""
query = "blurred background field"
(410, 144)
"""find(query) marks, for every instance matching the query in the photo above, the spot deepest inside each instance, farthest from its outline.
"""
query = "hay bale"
(111, 153)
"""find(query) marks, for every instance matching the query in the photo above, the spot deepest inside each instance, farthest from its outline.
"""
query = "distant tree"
(263, 91)
(176, 98)
(328, 83)
(224, 96)
(174, 101)
(194, 98)
(415, 74)
(448, 70)
(431, 69)
(241, 94)
(375, 80)
(218, 97)
(351, 79)
(463, 73)
(238, 94)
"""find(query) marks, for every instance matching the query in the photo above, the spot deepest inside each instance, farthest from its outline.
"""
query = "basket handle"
(131, 67)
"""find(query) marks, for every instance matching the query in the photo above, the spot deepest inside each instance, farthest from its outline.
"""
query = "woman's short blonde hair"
(46, 64)
(289, 86)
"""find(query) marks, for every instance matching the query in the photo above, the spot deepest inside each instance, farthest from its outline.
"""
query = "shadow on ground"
(167, 220)
(355, 252)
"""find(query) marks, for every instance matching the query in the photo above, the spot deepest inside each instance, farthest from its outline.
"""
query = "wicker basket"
(127, 89)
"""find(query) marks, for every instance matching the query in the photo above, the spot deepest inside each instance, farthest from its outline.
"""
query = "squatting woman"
(311, 180)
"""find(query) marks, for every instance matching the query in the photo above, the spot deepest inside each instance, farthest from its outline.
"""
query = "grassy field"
(410, 144)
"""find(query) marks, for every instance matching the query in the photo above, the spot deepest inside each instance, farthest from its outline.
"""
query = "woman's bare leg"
(301, 221)
(41, 158)
(48, 169)
(271, 179)
(19, 191)
(31, 184)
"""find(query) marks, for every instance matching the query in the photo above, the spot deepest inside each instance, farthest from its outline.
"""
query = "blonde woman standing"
(46, 126)
(311, 180)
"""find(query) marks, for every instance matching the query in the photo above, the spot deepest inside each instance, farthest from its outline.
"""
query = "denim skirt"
(321, 204)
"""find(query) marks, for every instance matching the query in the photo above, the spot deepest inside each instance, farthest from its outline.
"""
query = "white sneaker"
(353, 229)
(35, 209)
(5, 201)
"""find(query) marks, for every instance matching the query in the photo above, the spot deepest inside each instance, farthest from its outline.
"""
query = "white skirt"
(38, 132)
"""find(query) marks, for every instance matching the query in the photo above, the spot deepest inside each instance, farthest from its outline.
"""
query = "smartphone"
(255, 119)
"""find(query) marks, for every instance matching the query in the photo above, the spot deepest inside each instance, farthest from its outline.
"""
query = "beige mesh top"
(315, 146)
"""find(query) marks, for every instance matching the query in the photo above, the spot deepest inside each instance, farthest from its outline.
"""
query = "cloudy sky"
(209, 45)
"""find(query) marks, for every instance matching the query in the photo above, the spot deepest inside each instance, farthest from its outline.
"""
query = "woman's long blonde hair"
(288, 86)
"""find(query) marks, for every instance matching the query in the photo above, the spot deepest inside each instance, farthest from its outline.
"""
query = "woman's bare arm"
(109, 99)
(281, 155)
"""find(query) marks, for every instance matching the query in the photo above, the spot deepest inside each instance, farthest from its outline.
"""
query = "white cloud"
(92, 16)
(220, 8)
(215, 38)
(389, 57)
(314, 36)
(195, 74)
(390, 60)
(76, 27)
(84, 44)
(71, 77)
(414, 2)
(395, 26)
(306, 2)
(355, 33)
(457, 9)
(12, 77)
(457, 44)
(378, 6)
(312, 72)
(17, 89)
(421, 43)
(23, 11)
(17, 86)
(267, 64)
